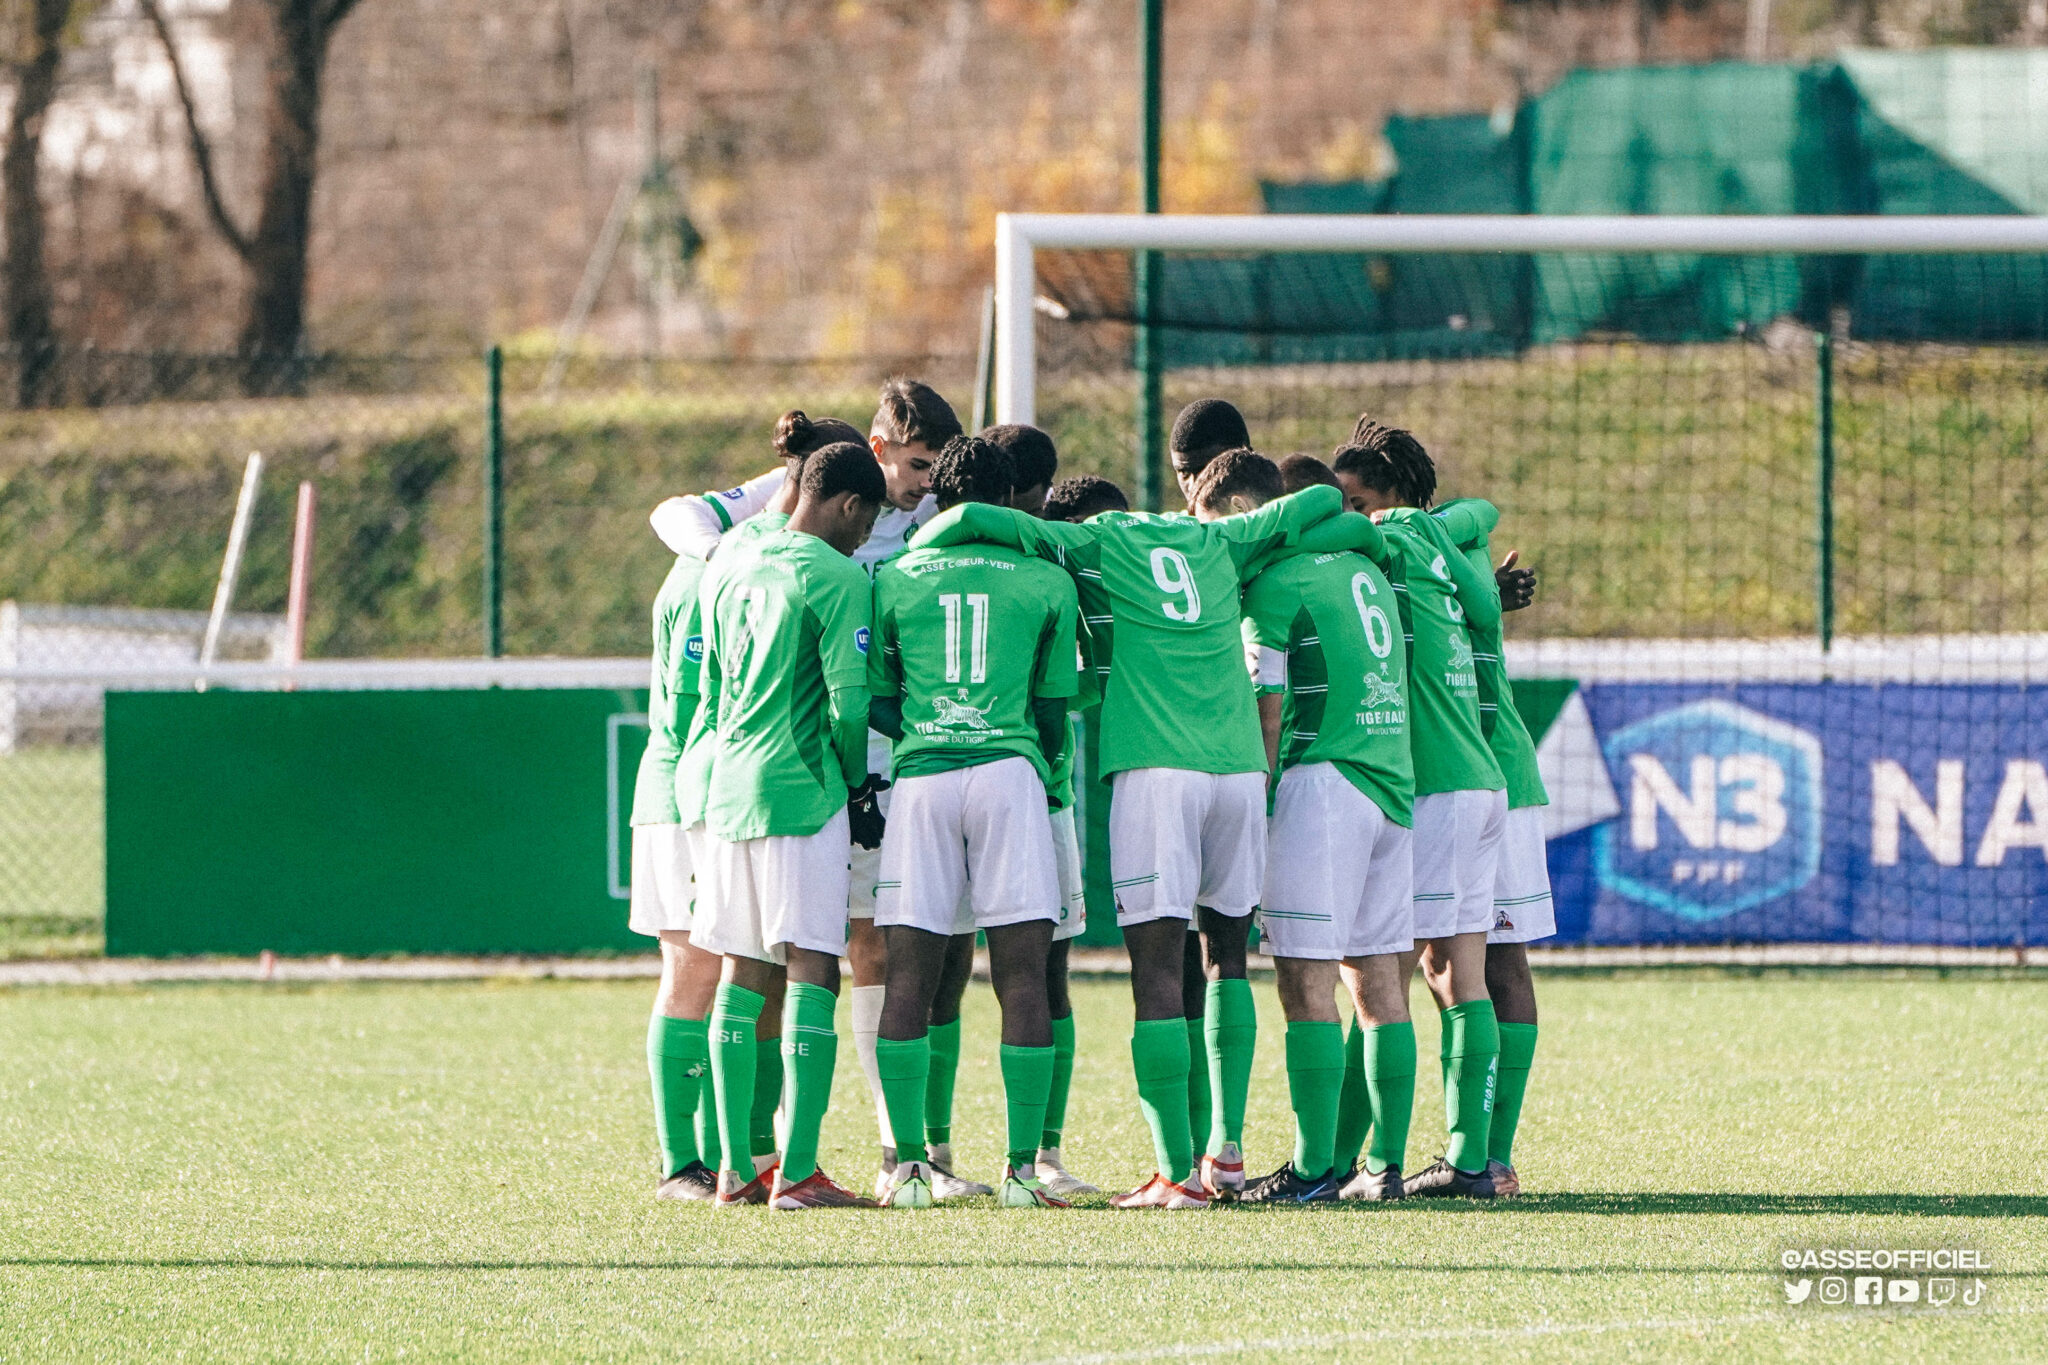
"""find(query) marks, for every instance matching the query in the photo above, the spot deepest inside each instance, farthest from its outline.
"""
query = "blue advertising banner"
(1809, 812)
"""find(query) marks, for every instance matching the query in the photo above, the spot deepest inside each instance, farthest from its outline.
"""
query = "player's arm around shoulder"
(1060, 542)
(1256, 539)
(694, 525)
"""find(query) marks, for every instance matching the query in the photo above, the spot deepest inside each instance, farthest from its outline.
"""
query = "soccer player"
(1203, 430)
(1159, 600)
(1460, 799)
(912, 422)
(678, 1053)
(1036, 461)
(1331, 672)
(1522, 908)
(668, 813)
(784, 687)
(973, 668)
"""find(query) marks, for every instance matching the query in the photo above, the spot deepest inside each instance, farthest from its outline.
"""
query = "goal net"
(1783, 479)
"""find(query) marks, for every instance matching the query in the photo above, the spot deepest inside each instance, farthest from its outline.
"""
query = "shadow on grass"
(1782, 1205)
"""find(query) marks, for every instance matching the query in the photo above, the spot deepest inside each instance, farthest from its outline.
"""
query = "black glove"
(864, 812)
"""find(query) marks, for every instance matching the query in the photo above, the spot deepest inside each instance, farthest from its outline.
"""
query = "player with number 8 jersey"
(1181, 747)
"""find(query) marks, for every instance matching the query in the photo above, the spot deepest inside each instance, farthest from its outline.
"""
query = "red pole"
(302, 573)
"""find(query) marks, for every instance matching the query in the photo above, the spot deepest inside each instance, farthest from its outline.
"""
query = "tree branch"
(202, 150)
(332, 13)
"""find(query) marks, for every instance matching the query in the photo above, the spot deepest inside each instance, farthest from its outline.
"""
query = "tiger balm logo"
(1723, 811)
(1382, 692)
(956, 715)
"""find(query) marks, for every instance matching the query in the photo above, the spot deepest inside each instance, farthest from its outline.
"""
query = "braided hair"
(1388, 460)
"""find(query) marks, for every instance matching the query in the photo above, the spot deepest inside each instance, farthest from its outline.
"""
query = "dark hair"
(970, 469)
(1303, 470)
(1240, 471)
(1205, 429)
(1388, 460)
(1034, 458)
(797, 435)
(843, 467)
(1081, 497)
(910, 412)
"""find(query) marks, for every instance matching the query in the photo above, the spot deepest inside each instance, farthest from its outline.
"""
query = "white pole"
(231, 565)
(298, 596)
(1016, 366)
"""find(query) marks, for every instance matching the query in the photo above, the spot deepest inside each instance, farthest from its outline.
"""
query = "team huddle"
(861, 745)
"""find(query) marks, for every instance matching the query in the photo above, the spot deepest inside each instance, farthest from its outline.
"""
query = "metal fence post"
(1824, 488)
(494, 504)
(1146, 352)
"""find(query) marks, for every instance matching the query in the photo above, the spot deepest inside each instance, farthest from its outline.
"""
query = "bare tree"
(32, 32)
(275, 250)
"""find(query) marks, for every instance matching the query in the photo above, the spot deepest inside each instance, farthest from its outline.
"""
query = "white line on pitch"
(1192, 1350)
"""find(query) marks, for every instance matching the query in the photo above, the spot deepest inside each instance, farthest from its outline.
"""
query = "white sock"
(867, 1028)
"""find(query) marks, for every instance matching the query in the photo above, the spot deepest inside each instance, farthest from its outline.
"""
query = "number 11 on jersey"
(977, 611)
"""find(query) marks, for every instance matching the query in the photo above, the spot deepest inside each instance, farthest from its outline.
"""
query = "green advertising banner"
(484, 821)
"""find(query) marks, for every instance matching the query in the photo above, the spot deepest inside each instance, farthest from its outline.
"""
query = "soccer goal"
(1783, 478)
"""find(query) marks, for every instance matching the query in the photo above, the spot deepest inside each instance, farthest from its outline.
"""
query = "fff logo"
(1723, 811)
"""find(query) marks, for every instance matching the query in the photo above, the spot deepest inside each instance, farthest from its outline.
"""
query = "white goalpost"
(1019, 236)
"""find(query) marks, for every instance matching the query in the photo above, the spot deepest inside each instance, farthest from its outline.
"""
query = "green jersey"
(1468, 522)
(968, 637)
(1159, 606)
(784, 685)
(1328, 632)
(671, 693)
(693, 766)
(1439, 596)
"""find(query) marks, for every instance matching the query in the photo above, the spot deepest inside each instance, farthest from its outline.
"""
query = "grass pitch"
(463, 1171)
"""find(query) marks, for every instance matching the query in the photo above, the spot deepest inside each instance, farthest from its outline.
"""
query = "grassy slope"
(463, 1171)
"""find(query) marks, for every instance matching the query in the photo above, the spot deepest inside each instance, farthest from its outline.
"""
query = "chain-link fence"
(1662, 490)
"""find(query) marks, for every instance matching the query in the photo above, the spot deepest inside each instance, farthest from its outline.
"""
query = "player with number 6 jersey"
(1331, 669)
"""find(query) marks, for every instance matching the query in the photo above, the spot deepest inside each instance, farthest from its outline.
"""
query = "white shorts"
(663, 886)
(1178, 839)
(1338, 876)
(1457, 848)
(1066, 863)
(979, 832)
(761, 896)
(1522, 909)
(867, 862)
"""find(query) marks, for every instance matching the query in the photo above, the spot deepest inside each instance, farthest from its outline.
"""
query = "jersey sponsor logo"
(955, 716)
(693, 649)
(860, 638)
(1723, 811)
(733, 494)
(1382, 692)
(1461, 649)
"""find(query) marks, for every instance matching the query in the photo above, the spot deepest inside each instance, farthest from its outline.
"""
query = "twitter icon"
(1796, 1292)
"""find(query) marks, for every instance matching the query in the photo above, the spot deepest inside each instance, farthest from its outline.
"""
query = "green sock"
(709, 1145)
(1354, 1102)
(1027, 1077)
(761, 1139)
(1200, 1104)
(1389, 1063)
(1468, 1093)
(1159, 1056)
(1231, 1023)
(678, 1054)
(1517, 1051)
(810, 1050)
(904, 1066)
(938, 1089)
(734, 1059)
(1315, 1076)
(1062, 1079)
